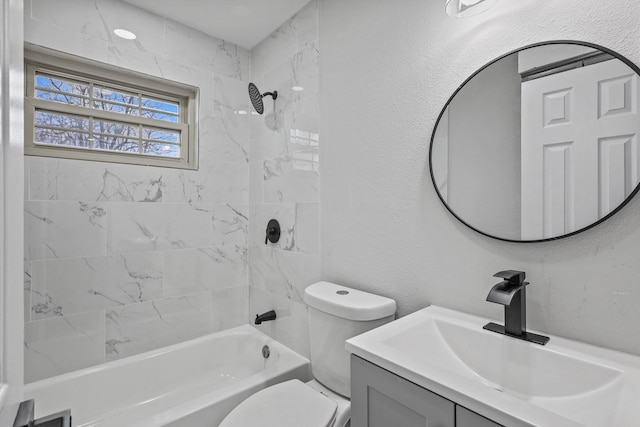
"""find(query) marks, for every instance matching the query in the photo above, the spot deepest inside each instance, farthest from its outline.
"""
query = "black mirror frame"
(626, 61)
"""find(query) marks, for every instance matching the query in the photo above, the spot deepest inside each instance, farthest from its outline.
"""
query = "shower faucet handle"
(273, 231)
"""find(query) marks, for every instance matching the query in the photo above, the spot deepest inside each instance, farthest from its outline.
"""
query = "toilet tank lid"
(348, 303)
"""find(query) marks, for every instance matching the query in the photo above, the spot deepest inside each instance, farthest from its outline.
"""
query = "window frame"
(60, 64)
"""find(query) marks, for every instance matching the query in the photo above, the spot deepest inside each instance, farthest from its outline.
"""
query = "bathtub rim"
(238, 330)
(291, 364)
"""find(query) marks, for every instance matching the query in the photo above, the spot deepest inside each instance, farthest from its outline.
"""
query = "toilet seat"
(287, 404)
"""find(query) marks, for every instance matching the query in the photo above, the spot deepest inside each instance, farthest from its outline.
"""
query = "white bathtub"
(195, 383)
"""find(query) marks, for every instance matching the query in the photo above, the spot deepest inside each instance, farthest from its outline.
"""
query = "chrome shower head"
(256, 97)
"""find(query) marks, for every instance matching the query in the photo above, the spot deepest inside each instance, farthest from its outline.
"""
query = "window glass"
(72, 104)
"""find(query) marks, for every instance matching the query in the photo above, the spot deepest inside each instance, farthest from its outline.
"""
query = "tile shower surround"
(284, 177)
(129, 258)
(121, 259)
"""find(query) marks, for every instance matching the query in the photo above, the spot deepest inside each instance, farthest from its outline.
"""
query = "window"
(80, 109)
(305, 161)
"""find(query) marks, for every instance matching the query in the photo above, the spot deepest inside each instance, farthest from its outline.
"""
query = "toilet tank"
(337, 313)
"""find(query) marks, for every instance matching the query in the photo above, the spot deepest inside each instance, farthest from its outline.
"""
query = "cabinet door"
(467, 418)
(382, 399)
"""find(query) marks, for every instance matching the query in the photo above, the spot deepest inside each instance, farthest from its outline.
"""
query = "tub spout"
(269, 315)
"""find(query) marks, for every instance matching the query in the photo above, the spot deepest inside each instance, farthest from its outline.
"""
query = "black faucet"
(269, 315)
(512, 293)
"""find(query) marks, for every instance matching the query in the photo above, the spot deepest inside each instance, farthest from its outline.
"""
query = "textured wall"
(387, 69)
(284, 177)
(122, 259)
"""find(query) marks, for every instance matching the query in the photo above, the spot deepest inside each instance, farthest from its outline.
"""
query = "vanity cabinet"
(380, 398)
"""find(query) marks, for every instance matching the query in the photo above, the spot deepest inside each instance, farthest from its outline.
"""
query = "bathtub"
(194, 383)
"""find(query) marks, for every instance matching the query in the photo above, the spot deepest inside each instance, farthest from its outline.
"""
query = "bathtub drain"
(266, 352)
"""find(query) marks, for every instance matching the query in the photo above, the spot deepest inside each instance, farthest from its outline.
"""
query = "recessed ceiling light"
(241, 112)
(297, 88)
(124, 34)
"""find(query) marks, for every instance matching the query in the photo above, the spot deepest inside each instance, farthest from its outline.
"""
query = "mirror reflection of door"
(579, 143)
(540, 143)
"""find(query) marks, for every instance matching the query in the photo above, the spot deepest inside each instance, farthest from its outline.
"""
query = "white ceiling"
(242, 22)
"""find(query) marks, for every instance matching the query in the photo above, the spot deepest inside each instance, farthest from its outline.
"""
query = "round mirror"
(540, 143)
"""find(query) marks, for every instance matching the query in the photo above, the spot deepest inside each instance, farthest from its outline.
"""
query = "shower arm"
(273, 94)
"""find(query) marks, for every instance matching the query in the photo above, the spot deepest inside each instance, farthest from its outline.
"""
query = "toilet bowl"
(336, 313)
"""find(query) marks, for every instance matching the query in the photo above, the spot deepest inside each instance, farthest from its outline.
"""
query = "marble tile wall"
(284, 177)
(121, 259)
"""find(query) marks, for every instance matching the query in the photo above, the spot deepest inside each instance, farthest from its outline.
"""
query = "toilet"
(336, 313)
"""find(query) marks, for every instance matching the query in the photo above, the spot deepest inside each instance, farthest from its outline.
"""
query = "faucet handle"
(273, 231)
(512, 276)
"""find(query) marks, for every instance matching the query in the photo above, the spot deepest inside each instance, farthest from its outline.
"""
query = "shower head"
(256, 97)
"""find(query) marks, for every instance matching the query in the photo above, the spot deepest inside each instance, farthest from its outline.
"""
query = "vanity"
(381, 398)
(439, 367)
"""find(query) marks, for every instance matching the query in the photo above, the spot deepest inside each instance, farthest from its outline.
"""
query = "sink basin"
(527, 371)
(513, 382)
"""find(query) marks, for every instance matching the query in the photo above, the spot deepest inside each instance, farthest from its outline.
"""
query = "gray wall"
(484, 150)
(387, 69)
